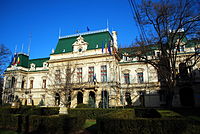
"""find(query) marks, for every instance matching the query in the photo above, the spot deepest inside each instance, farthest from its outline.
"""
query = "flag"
(109, 49)
(18, 60)
(106, 47)
(88, 29)
(15, 59)
(102, 47)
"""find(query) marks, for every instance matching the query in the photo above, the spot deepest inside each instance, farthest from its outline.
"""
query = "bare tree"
(61, 84)
(164, 25)
(4, 54)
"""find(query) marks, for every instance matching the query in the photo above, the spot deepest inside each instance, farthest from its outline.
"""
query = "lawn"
(89, 123)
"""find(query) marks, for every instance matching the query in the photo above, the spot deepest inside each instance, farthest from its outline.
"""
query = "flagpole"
(29, 45)
(15, 48)
(59, 34)
(107, 25)
(22, 48)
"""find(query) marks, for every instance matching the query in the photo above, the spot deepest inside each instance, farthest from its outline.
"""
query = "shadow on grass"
(192, 113)
(92, 129)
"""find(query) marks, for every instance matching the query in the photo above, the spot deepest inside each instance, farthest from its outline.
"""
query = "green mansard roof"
(94, 40)
(38, 62)
(26, 62)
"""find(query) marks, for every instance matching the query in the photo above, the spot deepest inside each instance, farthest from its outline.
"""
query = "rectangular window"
(158, 54)
(181, 48)
(44, 83)
(103, 73)
(126, 78)
(13, 82)
(22, 85)
(197, 49)
(57, 76)
(140, 77)
(91, 74)
(31, 84)
(79, 74)
(8, 84)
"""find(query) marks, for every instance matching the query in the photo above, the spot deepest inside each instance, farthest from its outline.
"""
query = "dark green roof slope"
(38, 62)
(23, 60)
(94, 40)
(132, 51)
(192, 43)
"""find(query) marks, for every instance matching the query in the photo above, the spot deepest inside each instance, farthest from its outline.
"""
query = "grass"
(90, 126)
(89, 123)
(168, 113)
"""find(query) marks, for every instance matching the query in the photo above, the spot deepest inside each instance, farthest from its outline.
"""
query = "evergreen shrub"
(11, 121)
(58, 124)
(82, 106)
(147, 113)
(90, 113)
(30, 110)
(141, 123)
(43, 111)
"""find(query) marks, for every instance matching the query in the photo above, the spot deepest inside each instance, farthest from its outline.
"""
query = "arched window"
(104, 100)
(79, 98)
(92, 99)
(57, 99)
(128, 98)
(13, 80)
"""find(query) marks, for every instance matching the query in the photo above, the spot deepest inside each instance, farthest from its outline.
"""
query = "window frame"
(91, 74)
(104, 73)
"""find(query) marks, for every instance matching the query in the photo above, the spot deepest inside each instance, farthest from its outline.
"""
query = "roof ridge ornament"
(85, 33)
(79, 41)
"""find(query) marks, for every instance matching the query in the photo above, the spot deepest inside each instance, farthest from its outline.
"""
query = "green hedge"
(29, 110)
(11, 121)
(143, 126)
(147, 113)
(58, 124)
(82, 106)
(127, 122)
(9, 110)
(90, 113)
(43, 111)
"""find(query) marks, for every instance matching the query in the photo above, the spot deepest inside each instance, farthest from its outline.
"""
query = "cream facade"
(88, 68)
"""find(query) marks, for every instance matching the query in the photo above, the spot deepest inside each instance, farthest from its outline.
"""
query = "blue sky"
(43, 18)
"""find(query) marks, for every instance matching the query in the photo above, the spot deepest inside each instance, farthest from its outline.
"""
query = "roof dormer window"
(45, 64)
(32, 66)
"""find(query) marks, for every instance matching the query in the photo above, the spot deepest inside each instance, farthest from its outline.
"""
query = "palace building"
(86, 67)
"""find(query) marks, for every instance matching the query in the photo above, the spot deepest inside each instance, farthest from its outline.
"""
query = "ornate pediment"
(80, 45)
(126, 71)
